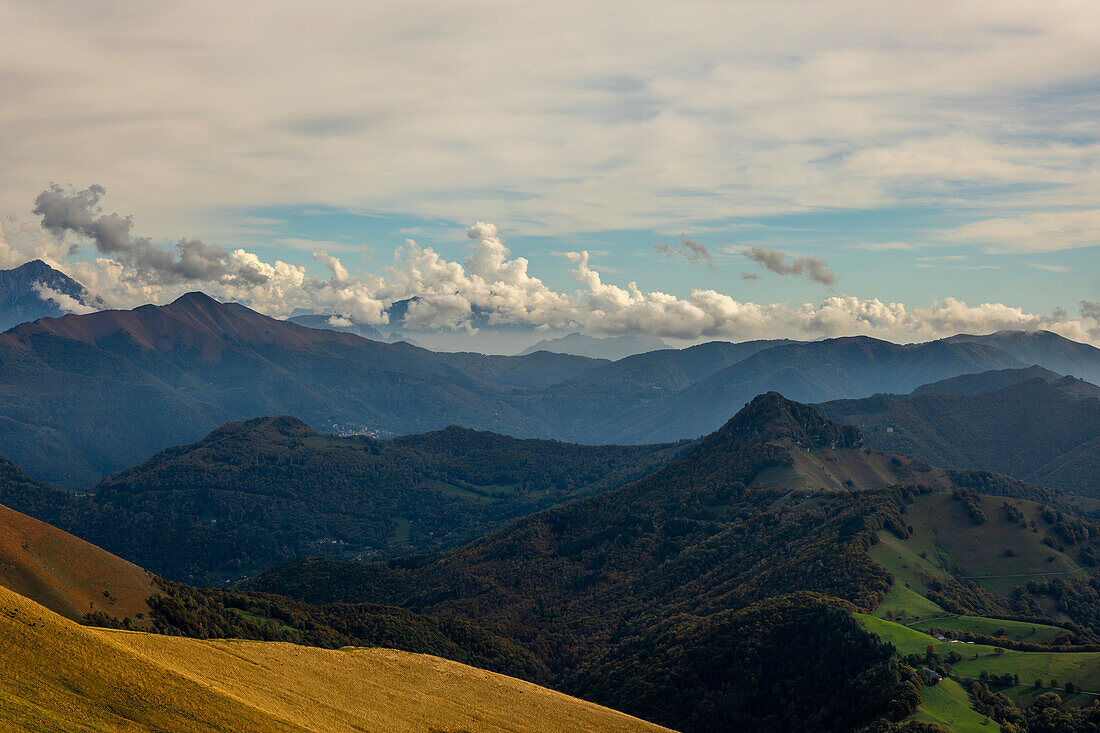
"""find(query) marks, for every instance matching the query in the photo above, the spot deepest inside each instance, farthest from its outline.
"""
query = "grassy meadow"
(58, 675)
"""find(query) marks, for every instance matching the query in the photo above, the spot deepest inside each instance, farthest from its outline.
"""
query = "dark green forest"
(255, 494)
(1045, 431)
(182, 610)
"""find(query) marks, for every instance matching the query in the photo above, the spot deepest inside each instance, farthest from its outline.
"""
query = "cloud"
(1091, 311)
(693, 251)
(64, 301)
(775, 261)
(1038, 232)
(1048, 268)
(749, 276)
(493, 286)
(79, 213)
(134, 270)
(934, 266)
(20, 242)
(884, 246)
(448, 293)
(733, 110)
(957, 157)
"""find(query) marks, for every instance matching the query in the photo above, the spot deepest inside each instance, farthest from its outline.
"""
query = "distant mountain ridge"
(1044, 348)
(33, 290)
(807, 372)
(332, 322)
(82, 396)
(1029, 423)
(609, 347)
(971, 384)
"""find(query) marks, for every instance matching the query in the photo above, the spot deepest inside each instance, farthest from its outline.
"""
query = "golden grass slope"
(998, 554)
(56, 675)
(848, 470)
(66, 574)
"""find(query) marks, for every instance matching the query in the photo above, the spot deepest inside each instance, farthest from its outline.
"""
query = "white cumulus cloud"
(493, 286)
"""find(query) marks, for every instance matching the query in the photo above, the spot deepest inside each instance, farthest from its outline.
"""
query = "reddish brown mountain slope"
(66, 574)
(194, 320)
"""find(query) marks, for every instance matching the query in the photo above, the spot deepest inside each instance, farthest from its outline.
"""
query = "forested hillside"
(252, 495)
(648, 570)
(1042, 430)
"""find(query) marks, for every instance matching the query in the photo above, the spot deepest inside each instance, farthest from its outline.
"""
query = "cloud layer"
(683, 113)
(490, 285)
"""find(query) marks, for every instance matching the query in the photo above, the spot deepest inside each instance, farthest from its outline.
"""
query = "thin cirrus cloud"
(1061, 269)
(1050, 231)
(884, 246)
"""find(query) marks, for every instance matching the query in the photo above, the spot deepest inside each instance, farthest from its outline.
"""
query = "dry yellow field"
(56, 675)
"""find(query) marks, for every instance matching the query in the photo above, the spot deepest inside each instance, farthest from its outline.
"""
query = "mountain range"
(698, 596)
(577, 554)
(83, 396)
(1032, 423)
(747, 580)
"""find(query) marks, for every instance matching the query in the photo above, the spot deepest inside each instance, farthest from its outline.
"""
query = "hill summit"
(35, 290)
(772, 418)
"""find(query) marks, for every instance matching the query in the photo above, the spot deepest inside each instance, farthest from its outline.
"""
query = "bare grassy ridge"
(57, 675)
(66, 574)
(997, 554)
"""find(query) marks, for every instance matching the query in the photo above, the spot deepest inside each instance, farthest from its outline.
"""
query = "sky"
(689, 170)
